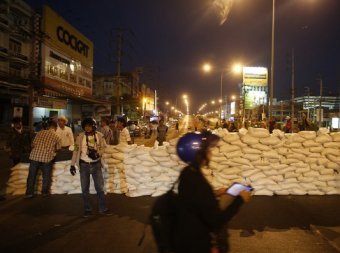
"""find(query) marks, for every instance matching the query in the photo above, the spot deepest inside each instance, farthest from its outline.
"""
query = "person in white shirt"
(124, 136)
(65, 133)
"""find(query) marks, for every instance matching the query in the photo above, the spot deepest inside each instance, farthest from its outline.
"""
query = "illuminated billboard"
(255, 76)
(67, 57)
(254, 96)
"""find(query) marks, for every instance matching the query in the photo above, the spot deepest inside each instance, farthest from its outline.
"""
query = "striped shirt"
(45, 145)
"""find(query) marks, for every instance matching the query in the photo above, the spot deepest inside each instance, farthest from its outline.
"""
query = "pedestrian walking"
(19, 142)
(106, 131)
(124, 135)
(288, 125)
(162, 131)
(200, 216)
(44, 147)
(89, 147)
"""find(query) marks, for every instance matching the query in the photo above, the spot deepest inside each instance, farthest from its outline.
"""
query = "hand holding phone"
(236, 188)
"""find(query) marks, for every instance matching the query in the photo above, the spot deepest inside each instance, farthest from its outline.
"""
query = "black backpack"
(163, 220)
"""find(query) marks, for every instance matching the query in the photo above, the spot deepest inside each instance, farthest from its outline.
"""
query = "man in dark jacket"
(19, 142)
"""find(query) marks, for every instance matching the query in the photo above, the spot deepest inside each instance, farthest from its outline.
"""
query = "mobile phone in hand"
(236, 188)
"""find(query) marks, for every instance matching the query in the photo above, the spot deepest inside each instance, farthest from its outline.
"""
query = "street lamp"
(272, 65)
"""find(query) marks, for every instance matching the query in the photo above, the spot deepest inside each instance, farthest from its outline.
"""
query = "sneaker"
(28, 196)
(106, 212)
(87, 214)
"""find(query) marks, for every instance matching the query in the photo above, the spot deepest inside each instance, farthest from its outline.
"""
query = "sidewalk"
(330, 234)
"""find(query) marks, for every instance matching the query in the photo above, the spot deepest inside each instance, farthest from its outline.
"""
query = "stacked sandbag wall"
(301, 163)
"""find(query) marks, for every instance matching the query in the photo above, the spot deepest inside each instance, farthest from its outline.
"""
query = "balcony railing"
(19, 56)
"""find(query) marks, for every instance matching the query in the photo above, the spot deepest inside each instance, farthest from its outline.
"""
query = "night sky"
(178, 36)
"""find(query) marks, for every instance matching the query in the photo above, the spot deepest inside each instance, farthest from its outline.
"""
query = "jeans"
(95, 170)
(32, 175)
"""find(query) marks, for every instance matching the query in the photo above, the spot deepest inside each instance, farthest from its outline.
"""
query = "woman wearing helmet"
(87, 156)
(200, 217)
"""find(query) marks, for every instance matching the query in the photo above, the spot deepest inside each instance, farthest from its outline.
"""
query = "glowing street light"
(206, 67)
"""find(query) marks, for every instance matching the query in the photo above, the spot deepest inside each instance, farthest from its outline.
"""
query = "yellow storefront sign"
(61, 35)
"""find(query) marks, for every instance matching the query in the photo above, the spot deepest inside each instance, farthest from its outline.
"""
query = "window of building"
(14, 46)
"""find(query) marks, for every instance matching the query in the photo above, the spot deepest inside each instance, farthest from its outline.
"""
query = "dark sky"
(178, 36)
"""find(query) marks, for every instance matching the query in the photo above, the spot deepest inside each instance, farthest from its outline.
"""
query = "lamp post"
(272, 64)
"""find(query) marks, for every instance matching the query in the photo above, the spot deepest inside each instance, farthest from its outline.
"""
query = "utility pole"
(308, 103)
(320, 103)
(118, 66)
(293, 88)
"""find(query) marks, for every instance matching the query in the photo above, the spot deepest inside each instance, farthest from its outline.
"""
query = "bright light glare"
(237, 68)
(206, 67)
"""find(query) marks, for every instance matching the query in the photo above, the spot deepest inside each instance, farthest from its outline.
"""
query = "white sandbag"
(314, 155)
(279, 145)
(131, 161)
(309, 135)
(141, 169)
(302, 170)
(231, 171)
(333, 191)
(68, 187)
(219, 159)
(294, 137)
(118, 156)
(239, 144)
(333, 158)
(57, 191)
(234, 154)
(322, 161)
(261, 162)
(226, 148)
(257, 176)
(333, 183)
(272, 140)
(265, 181)
(67, 178)
(144, 179)
(290, 180)
(308, 186)
(336, 136)
(169, 164)
(290, 186)
(19, 192)
(58, 166)
(323, 138)
(304, 151)
(158, 193)
(163, 178)
(305, 179)
(323, 130)
(131, 174)
(174, 157)
(291, 174)
(248, 139)
(258, 132)
(293, 145)
(251, 157)
(159, 153)
(162, 158)
(243, 131)
(270, 172)
(316, 149)
(21, 166)
(332, 145)
(281, 192)
(173, 142)
(260, 146)
(215, 151)
(278, 133)
(320, 183)
(271, 154)
(279, 167)
(297, 156)
(138, 193)
(240, 160)
(325, 178)
(150, 164)
(298, 191)
(315, 192)
(248, 150)
(283, 151)
(263, 168)
(331, 151)
(327, 172)
(231, 137)
(249, 173)
(311, 174)
(110, 150)
(263, 192)
(311, 143)
(171, 150)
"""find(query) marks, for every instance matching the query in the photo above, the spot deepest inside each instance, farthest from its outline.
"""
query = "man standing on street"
(19, 142)
(162, 130)
(124, 136)
(44, 148)
(65, 133)
(87, 156)
(106, 131)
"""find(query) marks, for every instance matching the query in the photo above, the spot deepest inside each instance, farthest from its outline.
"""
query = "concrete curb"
(330, 234)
